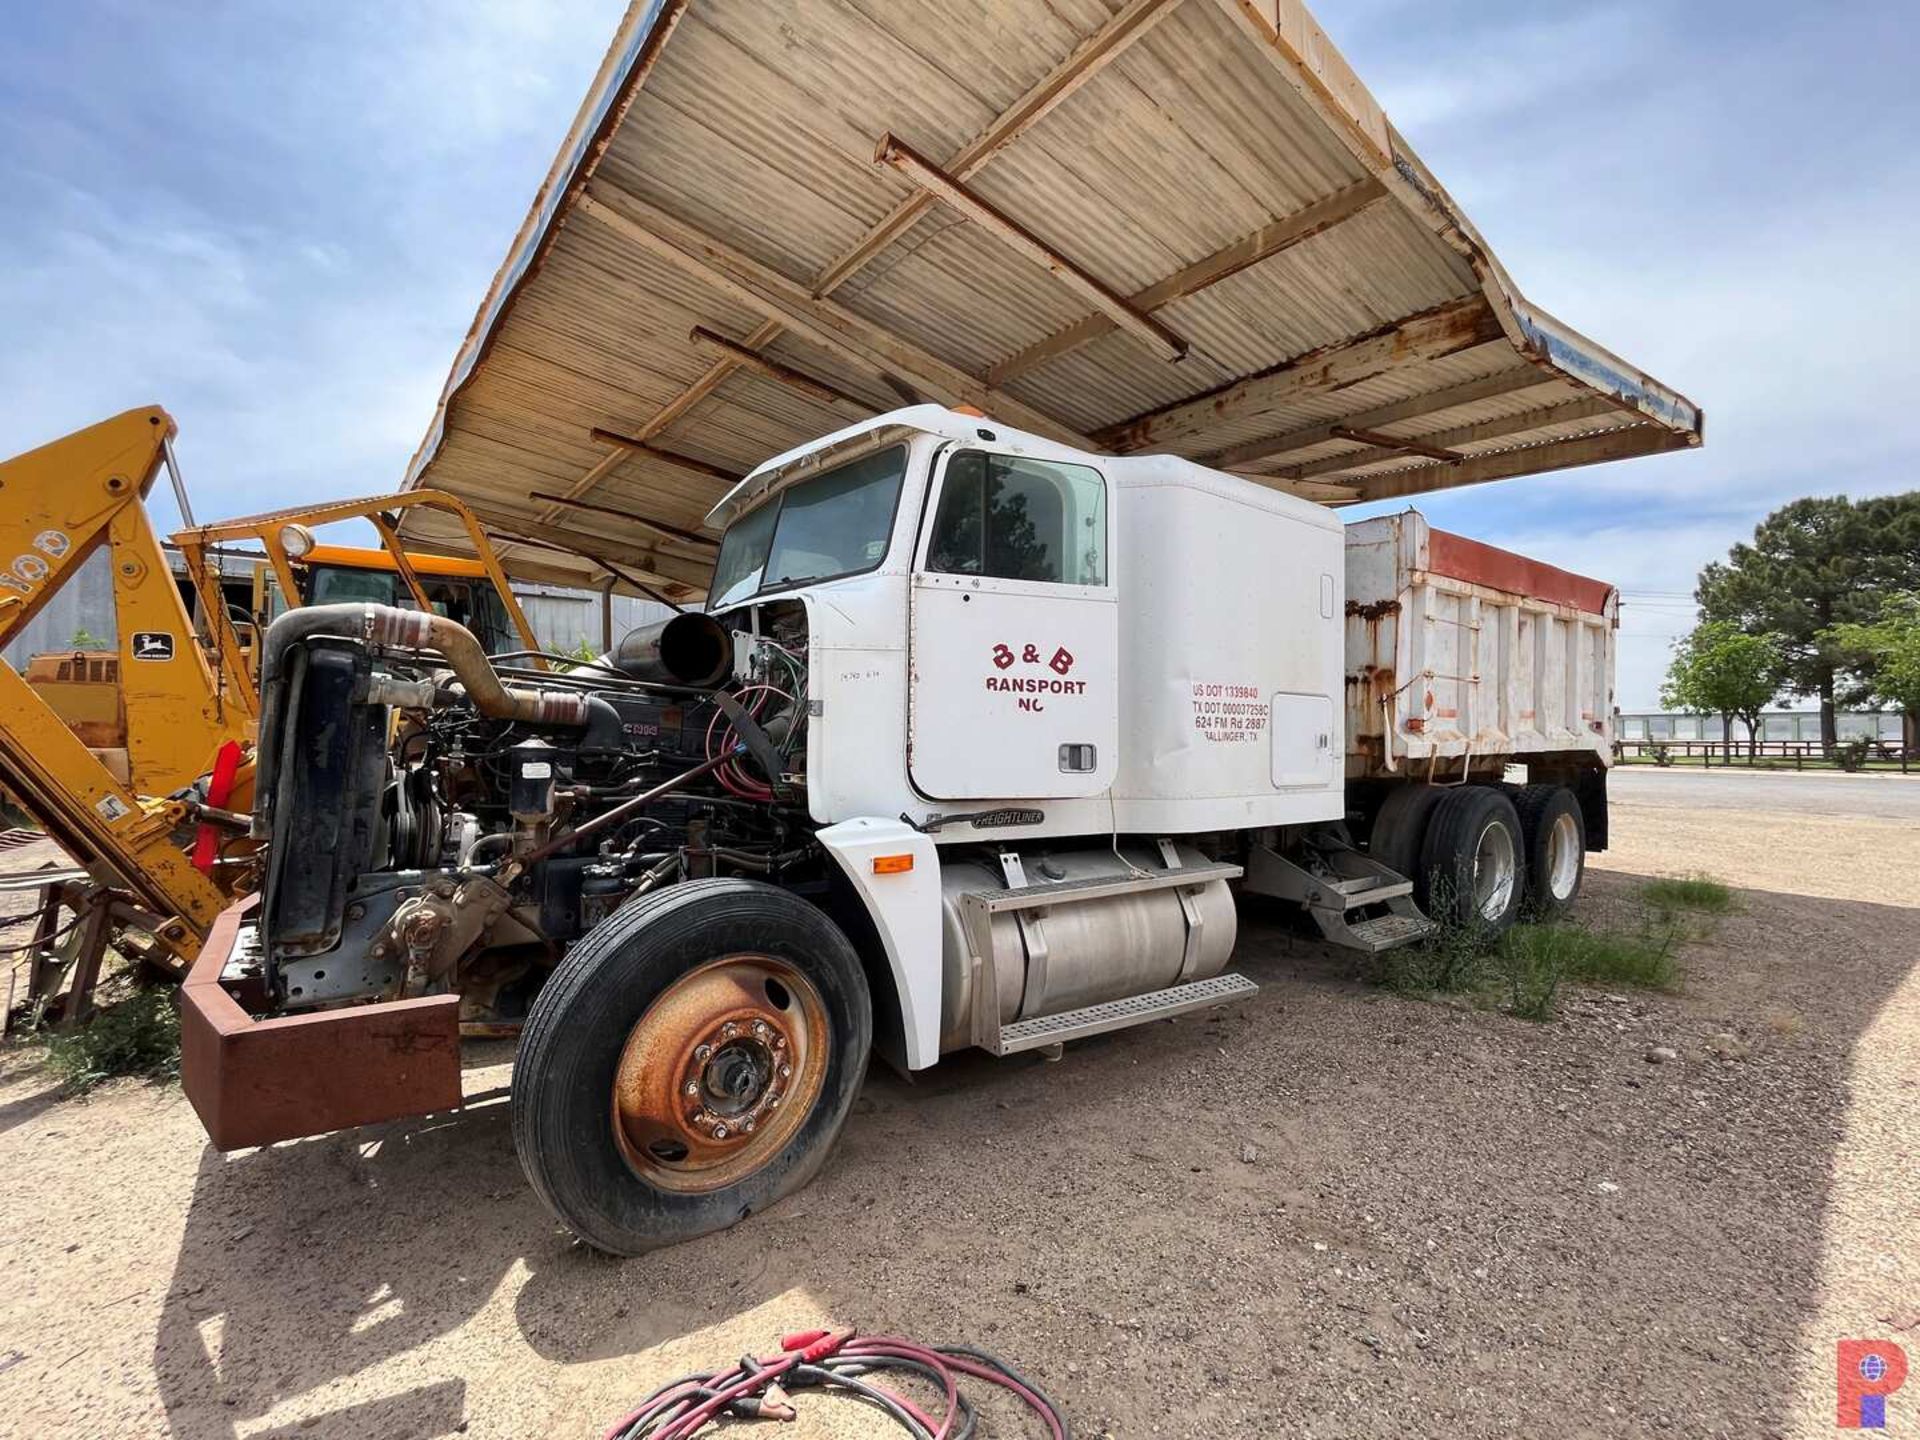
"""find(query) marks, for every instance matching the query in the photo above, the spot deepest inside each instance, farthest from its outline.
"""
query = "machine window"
(474, 604)
(490, 620)
(334, 584)
(1020, 519)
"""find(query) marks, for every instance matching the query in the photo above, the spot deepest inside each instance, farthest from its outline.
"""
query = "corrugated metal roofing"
(1024, 205)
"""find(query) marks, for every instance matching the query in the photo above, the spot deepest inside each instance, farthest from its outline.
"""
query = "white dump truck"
(976, 742)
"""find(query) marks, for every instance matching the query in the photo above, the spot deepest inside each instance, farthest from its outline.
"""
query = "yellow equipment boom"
(61, 503)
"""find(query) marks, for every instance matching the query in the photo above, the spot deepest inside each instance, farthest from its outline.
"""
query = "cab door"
(1015, 632)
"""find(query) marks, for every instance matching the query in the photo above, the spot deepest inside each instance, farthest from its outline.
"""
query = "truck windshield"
(835, 524)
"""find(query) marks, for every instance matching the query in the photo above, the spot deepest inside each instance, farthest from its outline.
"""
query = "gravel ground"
(1452, 1222)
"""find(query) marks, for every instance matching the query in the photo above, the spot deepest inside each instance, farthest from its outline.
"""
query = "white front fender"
(905, 908)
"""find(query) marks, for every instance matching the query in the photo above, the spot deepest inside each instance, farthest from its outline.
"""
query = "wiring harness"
(756, 697)
(835, 1360)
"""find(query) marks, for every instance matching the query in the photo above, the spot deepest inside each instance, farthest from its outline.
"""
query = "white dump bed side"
(1459, 652)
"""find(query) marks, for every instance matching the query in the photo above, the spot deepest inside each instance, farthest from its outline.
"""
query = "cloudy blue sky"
(277, 219)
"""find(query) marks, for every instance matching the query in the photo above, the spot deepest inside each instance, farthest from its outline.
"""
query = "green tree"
(1721, 670)
(1885, 656)
(1813, 565)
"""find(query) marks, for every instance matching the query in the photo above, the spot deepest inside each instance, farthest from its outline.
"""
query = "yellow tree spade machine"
(153, 824)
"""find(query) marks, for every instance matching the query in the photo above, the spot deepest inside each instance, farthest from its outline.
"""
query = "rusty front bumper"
(257, 1081)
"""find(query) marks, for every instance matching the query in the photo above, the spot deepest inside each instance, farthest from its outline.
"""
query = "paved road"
(1887, 797)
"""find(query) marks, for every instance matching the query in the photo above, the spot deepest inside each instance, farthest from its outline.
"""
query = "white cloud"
(277, 224)
(1704, 190)
(1653, 565)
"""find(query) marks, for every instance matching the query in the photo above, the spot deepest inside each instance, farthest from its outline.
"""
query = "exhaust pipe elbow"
(388, 625)
(690, 648)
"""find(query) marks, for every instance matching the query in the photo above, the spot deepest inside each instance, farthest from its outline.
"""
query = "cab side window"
(1018, 519)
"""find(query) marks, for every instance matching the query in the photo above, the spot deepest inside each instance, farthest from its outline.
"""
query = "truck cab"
(960, 586)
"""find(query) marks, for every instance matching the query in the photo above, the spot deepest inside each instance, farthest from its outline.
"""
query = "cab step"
(1353, 899)
(1383, 932)
(1046, 1030)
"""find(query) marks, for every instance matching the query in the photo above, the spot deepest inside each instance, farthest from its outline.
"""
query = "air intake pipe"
(389, 626)
(685, 649)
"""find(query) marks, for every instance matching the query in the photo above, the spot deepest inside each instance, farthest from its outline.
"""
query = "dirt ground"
(1453, 1222)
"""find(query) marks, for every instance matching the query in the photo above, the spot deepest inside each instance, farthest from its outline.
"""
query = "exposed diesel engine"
(444, 823)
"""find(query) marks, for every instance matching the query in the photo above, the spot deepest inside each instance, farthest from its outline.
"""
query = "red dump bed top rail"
(1478, 563)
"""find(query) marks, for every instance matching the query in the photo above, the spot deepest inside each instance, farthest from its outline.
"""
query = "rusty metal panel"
(1492, 568)
(255, 1082)
(1459, 651)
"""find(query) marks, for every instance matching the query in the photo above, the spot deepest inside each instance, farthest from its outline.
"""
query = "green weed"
(1642, 957)
(139, 1035)
(1525, 969)
(1533, 963)
(1451, 960)
(1696, 891)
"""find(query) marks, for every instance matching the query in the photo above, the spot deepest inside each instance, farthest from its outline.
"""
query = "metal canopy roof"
(1178, 225)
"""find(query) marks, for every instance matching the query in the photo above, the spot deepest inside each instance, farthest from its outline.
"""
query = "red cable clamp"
(815, 1345)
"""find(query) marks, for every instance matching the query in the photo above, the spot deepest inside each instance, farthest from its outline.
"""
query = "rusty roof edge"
(1542, 337)
(1293, 41)
(624, 67)
(1593, 365)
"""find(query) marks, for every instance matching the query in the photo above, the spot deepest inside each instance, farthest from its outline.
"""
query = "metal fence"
(1878, 754)
(1775, 725)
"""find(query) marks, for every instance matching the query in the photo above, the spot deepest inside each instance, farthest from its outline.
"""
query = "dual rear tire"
(1554, 831)
(1472, 874)
(1484, 856)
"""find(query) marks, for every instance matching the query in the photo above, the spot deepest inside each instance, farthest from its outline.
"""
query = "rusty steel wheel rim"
(720, 1072)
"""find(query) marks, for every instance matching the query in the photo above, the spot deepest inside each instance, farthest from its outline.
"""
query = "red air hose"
(732, 777)
(836, 1360)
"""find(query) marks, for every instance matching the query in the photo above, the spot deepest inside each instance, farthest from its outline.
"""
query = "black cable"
(822, 1375)
(964, 1417)
(987, 1357)
(63, 931)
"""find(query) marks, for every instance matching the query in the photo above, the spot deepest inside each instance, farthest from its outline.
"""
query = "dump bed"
(1459, 653)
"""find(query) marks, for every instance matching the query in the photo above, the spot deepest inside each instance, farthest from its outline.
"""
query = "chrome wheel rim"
(1563, 857)
(1495, 872)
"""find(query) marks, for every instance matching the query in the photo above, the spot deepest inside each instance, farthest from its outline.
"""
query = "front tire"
(691, 1061)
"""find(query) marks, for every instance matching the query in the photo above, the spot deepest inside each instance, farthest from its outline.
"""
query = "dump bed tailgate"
(1457, 650)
